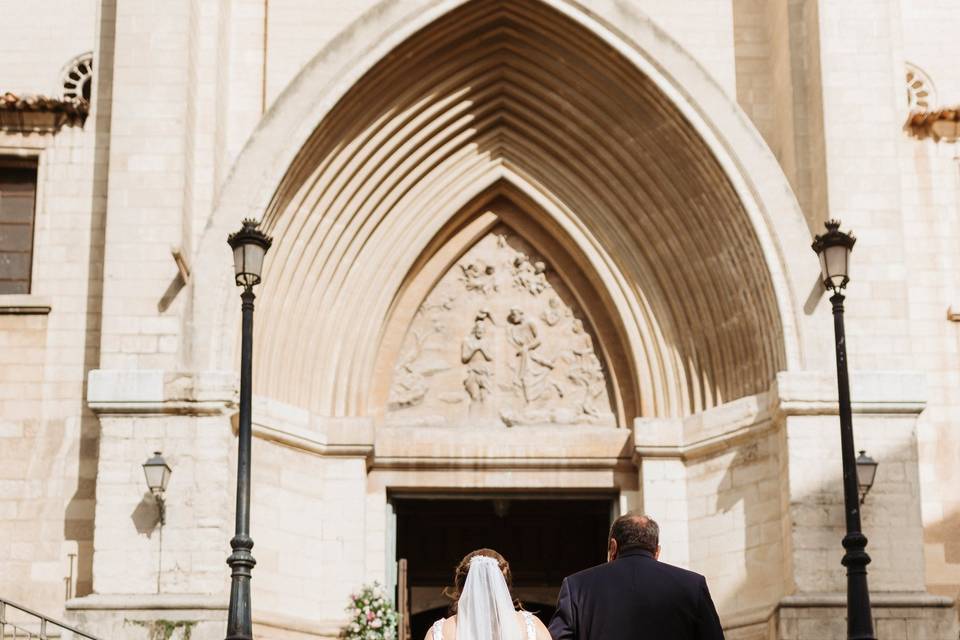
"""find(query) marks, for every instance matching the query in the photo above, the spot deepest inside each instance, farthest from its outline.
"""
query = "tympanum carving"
(500, 340)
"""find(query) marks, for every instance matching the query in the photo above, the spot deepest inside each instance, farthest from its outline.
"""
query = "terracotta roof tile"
(942, 124)
(40, 113)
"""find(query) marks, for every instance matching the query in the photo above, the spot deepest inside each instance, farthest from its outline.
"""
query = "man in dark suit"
(635, 596)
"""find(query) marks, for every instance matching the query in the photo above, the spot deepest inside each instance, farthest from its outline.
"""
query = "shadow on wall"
(171, 292)
(946, 534)
(751, 486)
(146, 515)
(738, 520)
(78, 523)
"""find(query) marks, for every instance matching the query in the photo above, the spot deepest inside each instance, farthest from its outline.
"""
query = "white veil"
(485, 610)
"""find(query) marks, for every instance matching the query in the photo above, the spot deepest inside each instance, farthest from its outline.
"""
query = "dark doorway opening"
(544, 539)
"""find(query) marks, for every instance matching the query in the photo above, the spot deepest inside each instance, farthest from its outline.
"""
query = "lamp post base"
(239, 618)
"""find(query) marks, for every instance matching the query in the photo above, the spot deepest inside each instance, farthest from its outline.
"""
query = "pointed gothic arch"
(519, 263)
(686, 238)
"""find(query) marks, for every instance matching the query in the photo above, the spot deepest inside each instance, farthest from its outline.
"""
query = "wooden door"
(403, 600)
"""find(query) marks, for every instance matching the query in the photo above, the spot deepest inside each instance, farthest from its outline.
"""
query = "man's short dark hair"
(636, 530)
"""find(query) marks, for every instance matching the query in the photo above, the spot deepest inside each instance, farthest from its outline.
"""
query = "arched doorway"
(515, 92)
(674, 244)
(658, 178)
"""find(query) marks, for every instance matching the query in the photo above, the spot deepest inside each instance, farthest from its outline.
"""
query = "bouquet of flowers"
(372, 616)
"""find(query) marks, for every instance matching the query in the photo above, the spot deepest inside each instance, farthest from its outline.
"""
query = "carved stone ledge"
(584, 447)
(879, 600)
(24, 305)
(792, 394)
(300, 429)
(147, 602)
(871, 392)
(891, 599)
(704, 433)
(40, 114)
(158, 392)
(435, 463)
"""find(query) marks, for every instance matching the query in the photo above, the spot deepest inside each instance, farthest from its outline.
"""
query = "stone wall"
(822, 82)
(50, 337)
(931, 179)
(42, 37)
(308, 518)
(735, 523)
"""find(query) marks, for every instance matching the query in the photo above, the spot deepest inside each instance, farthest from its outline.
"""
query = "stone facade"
(656, 169)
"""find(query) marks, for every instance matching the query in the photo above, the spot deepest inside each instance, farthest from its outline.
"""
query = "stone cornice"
(886, 599)
(166, 407)
(704, 433)
(34, 113)
(521, 447)
(871, 392)
(440, 463)
(158, 392)
(878, 600)
(147, 602)
(155, 392)
(299, 429)
(24, 304)
(791, 394)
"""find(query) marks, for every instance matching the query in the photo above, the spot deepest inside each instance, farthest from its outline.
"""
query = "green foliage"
(164, 629)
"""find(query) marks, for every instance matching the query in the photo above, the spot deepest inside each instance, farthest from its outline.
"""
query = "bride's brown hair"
(460, 576)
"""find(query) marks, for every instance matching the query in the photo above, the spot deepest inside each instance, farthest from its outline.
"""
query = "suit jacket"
(635, 597)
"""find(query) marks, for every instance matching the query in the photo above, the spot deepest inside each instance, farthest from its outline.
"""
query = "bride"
(483, 607)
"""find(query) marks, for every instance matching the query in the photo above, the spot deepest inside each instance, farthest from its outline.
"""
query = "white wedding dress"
(527, 622)
(485, 610)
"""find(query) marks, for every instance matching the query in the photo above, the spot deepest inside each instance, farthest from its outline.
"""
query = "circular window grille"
(77, 78)
(920, 91)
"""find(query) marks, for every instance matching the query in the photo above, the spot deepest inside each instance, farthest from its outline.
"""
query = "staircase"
(20, 623)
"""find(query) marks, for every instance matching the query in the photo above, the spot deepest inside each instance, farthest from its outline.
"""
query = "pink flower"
(370, 616)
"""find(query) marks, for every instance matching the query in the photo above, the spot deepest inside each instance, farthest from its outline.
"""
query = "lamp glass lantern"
(866, 473)
(157, 472)
(249, 247)
(833, 248)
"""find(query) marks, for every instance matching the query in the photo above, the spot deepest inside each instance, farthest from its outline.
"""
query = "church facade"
(535, 263)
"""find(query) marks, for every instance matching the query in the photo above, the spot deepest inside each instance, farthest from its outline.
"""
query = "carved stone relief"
(499, 340)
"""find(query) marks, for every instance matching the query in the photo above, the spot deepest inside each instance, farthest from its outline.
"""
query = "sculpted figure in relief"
(532, 370)
(555, 312)
(476, 352)
(408, 387)
(499, 342)
(530, 276)
(587, 372)
(479, 276)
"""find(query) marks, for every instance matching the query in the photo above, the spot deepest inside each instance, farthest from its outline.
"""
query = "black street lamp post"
(249, 247)
(834, 249)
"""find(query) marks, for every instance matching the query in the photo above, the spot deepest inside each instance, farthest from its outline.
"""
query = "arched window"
(921, 94)
(77, 78)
